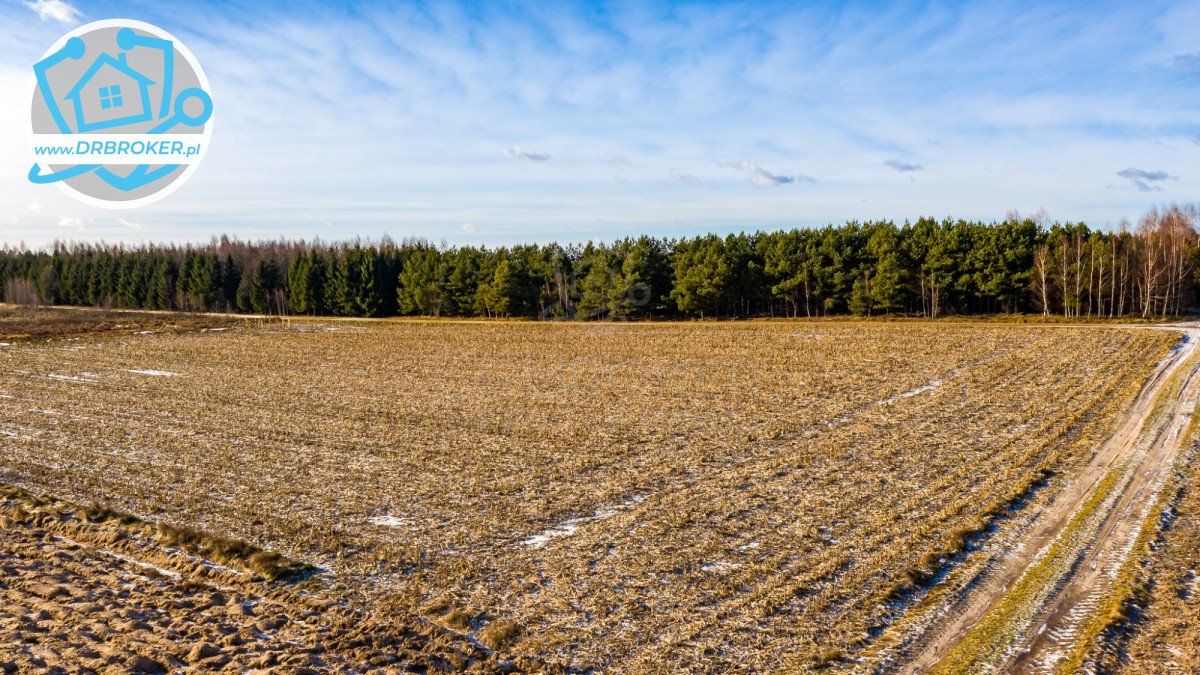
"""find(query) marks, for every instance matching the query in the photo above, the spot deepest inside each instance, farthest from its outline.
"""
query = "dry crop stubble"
(632, 497)
(1156, 629)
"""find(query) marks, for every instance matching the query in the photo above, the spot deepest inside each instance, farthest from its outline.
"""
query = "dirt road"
(1033, 598)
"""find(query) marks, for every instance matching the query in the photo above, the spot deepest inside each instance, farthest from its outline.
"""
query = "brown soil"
(49, 323)
(89, 597)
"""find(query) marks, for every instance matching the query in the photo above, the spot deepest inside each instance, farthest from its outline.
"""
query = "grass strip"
(268, 564)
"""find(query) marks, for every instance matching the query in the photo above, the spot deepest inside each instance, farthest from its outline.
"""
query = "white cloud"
(760, 176)
(72, 222)
(467, 227)
(34, 207)
(1006, 92)
(517, 153)
(54, 10)
(130, 225)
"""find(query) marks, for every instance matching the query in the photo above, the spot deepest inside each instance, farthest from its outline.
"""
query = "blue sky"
(500, 123)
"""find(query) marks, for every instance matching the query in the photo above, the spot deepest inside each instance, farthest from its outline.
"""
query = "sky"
(498, 123)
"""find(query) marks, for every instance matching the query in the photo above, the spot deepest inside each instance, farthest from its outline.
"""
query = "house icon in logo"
(110, 94)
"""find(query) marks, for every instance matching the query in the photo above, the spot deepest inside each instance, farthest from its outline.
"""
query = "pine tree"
(299, 292)
(265, 282)
(422, 283)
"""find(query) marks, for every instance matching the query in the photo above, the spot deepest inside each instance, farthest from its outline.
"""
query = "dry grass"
(705, 497)
(270, 565)
(100, 592)
(1157, 627)
(51, 323)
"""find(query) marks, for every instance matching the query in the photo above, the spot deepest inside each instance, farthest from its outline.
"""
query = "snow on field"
(155, 373)
(390, 521)
(87, 378)
(934, 384)
(720, 566)
(124, 558)
(570, 525)
(562, 529)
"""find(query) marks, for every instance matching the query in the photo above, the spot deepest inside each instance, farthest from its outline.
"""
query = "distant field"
(21, 323)
(706, 497)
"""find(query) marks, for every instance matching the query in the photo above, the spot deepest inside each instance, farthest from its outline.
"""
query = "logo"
(121, 114)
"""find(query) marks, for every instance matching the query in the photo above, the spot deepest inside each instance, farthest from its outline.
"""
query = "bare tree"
(1041, 277)
(22, 292)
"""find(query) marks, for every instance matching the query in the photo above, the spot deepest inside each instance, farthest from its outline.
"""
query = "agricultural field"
(705, 497)
(1157, 630)
(51, 323)
(87, 589)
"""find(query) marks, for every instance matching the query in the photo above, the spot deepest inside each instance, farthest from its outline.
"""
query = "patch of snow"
(390, 521)
(934, 384)
(569, 526)
(719, 566)
(144, 565)
(155, 373)
(562, 529)
(89, 378)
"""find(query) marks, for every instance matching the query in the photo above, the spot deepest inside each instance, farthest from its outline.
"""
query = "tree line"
(925, 268)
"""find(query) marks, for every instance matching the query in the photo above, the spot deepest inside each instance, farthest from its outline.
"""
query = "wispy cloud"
(1006, 91)
(1189, 63)
(1196, 139)
(1141, 178)
(683, 177)
(517, 153)
(760, 176)
(618, 161)
(130, 224)
(467, 227)
(71, 222)
(903, 167)
(54, 10)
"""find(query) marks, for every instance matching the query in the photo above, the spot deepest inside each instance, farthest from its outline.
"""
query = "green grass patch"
(986, 643)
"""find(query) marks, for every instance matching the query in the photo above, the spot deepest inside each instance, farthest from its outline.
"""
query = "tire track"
(1138, 454)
